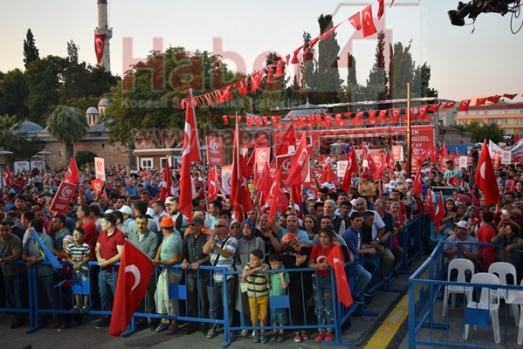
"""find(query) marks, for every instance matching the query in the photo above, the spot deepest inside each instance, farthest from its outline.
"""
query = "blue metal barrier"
(427, 327)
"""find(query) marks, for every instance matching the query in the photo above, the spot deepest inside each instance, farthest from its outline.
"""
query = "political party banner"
(506, 157)
(397, 153)
(261, 157)
(214, 150)
(97, 185)
(226, 179)
(341, 167)
(283, 163)
(463, 162)
(99, 168)
(422, 142)
(63, 197)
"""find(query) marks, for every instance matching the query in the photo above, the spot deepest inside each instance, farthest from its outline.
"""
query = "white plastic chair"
(515, 297)
(503, 270)
(475, 311)
(461, 265)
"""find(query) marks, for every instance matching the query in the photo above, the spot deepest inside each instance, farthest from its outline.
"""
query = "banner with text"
(214, 150)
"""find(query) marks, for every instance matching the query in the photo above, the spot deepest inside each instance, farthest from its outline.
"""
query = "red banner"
(423, 142)
(261, 157)
(214, 150)
(97, 185)
(283, 163)
(99, 43)
(63, 197)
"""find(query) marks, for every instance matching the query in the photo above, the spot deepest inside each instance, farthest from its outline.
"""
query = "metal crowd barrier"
(429, 328)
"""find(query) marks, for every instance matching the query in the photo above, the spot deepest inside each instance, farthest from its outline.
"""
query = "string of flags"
(362, 21)
(369, 117)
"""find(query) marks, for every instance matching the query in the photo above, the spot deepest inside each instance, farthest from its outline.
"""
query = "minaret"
(103, 29)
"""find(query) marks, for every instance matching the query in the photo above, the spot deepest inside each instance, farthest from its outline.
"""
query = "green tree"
(480, 131)
(376, 88)
(328, 75)
(421, 82)
(352, 90)
(13, 92)
(401, 72)
(43, 78)
(68, 125)
(31, 53)
(76, 77)
(10, 139)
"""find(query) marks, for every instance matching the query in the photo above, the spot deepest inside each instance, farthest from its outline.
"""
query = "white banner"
(506, 157)
(99, 168)
(226, 179)
(341, 168)
(463, 162)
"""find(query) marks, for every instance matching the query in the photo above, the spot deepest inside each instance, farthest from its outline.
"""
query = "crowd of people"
(365, 221)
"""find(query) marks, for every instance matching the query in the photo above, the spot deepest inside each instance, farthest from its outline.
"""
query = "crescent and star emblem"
(137, 276)
(187, 131)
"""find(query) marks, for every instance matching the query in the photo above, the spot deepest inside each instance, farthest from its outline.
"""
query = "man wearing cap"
(197, 280)
(466, 250)
(127, 216)
(147, 242)
(169, 253)
(221, 247)
(109, 249)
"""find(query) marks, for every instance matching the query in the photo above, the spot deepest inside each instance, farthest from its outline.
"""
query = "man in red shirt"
(109, 249)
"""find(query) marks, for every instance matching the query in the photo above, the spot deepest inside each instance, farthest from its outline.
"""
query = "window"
(146, 163)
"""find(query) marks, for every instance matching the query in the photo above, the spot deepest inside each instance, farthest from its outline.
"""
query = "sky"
(463, 64)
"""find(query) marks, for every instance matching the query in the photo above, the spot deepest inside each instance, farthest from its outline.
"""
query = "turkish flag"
(454, 181)
(449, 105)
(336, 261)
(274, 194)
(416, 186)
(240, 195)
(212, 190)
(288, 140)
(377, 165)
(464, 105)
(422, 112)
(190, 153)
(510, 95)
(99, 43)
(299, 160)
(443, 150)
(330, 176)
(475, 200)
(355, 21)
(485, 177)
(367, 22)
(352, 167)
(439, 213)
(8, 176)
(166, 183)
(493, 99)
(133, 279)
(72, 175)
(434, 107)
(480, 101)
(318, 174)
(380, 9)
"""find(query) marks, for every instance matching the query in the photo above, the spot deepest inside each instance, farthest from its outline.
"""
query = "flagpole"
(409, 134)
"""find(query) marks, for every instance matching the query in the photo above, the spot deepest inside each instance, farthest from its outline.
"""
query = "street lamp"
(3, 154)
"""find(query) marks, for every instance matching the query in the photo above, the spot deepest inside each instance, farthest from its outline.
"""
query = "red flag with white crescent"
(212, 189)
(72, 175)
(99, 44)
(166, 183)
(485, 177)
(190, 153)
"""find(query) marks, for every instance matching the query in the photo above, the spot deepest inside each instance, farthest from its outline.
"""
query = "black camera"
(475, 7)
